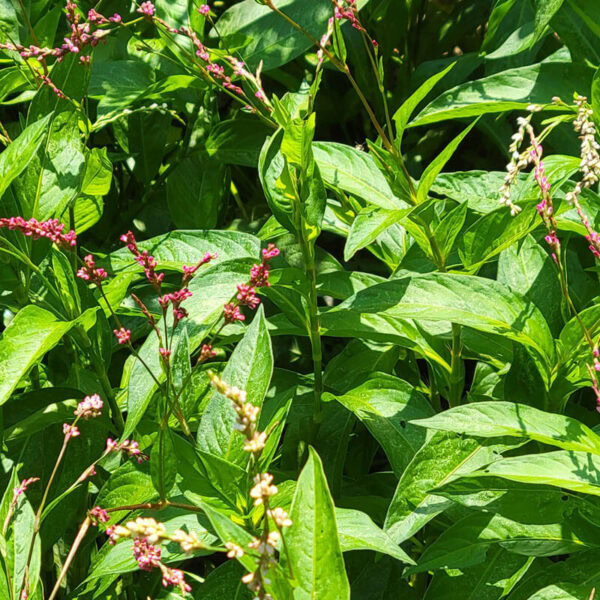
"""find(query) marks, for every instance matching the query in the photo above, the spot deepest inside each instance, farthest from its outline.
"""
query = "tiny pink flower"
(204, 9)
(23, 487)
(123, 335)
(247, 296)
(175, 577)
(147, 9)
(98, 515)
(89, 407)
(70, 431)
(116, 18)
(164, 353)
(206, 352)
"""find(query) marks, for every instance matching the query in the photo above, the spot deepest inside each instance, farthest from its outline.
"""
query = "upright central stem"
(308, 253)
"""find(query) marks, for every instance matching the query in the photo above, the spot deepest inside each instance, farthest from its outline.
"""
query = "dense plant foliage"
(299, 299)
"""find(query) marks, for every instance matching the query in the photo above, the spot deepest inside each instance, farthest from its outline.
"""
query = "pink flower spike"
(147, 9)
(123, 335)
(116, 18)
(174, 577)
(259, 275)
(206, 352)
(23, 487)
(204, 9)
(232, 313)
(70, 431)
(51, 229)
(165, 353)
(111, 445)
(147, 555)
(98, 515)
(89, 407)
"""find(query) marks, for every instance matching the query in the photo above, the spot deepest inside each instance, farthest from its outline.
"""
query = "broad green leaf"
(97, 176)
(367, 226)
(314, 547)
(487, 581)
(476, 302)
(53, 178)
(384, 404)
(527, 268)
(237, 141)
(356, 173)
(589, 16)
(52, 414)
(276, 182)
(228, 531)
(564, 591)
(18, 155)
(468, 541)
(225, 582)
(435, 167)
(450, 226)
(403, 114)
(29, 336)
(514, 89)
(263, 36)
(129, 484)
(357, 531)
(196, 192)
(495, 419)
(177, 248)
(249, 368)
(443, 458)
(576, 471)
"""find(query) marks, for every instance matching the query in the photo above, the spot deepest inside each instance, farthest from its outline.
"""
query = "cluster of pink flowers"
(51, 229)
(70, 431)
(147, 9)
(145, 260)
(80, 37)
(89, 271)
(204, 9)
(131, 448)
(347, 12)
(89, 407)
(123, 335)
(246, 296)
(147, 555)
(98, 515)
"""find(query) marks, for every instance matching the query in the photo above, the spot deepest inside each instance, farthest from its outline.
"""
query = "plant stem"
(456, 374)
(76, 543)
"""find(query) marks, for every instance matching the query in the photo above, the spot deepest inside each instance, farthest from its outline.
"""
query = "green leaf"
(576, 471)
(15, 159)
(366, 227)
(237, 141)
(297, 139)
(314, 547)
(97, 176)
(250, 368)
(467, 542)
(29, 336)
(447, 231)
(514, 89)
(443, 458)
(225, 582)
(384, 404)
(196, 192)
(177, 248)
(475, 302)
(435, 167)
(62, 271)
(357, 531)
(356, 173)
(495, 419)
(403, 114)
(487, 581)
(263, 36)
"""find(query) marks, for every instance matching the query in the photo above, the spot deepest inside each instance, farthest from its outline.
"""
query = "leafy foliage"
(299, 299)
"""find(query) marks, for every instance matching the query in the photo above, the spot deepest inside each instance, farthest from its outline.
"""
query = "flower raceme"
(51, 229)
